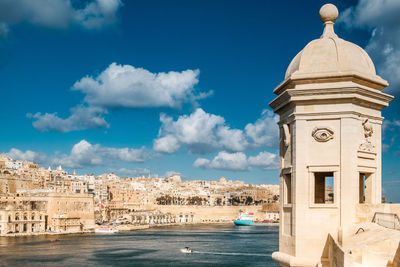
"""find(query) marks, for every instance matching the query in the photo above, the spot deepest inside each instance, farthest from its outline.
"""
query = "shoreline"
(123, 228)
(45, 234)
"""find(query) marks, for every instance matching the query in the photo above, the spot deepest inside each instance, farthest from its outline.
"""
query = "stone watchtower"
(330, 147)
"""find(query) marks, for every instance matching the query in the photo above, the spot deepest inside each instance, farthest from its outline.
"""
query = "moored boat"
(247, 219)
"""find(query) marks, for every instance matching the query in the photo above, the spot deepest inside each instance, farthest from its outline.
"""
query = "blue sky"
(170, 86)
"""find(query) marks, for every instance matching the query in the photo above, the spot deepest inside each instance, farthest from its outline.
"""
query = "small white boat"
(105, 230)
(186, 250)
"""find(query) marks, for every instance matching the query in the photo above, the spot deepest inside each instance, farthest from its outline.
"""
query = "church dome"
(330, 54)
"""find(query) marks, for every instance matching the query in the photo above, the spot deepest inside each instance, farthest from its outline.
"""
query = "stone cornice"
(334, 115)
(375, 82)
(356, 95)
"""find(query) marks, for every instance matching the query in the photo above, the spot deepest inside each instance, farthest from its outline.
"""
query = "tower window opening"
(324, 188)
(287, 180)
(365, 187)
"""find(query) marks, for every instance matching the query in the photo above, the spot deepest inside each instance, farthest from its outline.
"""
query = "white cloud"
(224, 161)
(381, 19)
(231, 139)
(170, 173)
(265, 160)
(265, 130)
(90, 15)
(84, 154)
(201, 163)
(202, 133)
(132, 172)
(81, 118)
(123, 86)
(130, 87)
(124, 154)
(98, 14)
(28, 155)
(167, 144)
(238, 161)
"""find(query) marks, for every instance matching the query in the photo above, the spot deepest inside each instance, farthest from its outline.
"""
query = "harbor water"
(213, 245)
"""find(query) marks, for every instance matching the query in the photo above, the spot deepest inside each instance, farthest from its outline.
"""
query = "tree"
(161, 200)
(168, 199)
(234, 201)
(249, 200)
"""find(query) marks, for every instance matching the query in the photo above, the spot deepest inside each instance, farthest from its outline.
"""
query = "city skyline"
(137, 87)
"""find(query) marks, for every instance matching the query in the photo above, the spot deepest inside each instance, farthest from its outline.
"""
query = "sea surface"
(213, 245)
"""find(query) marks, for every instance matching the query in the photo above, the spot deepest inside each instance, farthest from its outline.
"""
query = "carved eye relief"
(322, 134)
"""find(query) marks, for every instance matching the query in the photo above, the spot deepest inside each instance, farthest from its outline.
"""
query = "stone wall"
(12, 183)
(396, 259)
(62, 205)
(366, 212)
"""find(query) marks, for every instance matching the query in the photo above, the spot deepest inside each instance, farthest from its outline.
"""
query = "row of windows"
(324, 188)
(24, 217)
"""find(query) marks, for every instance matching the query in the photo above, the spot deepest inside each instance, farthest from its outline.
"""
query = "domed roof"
(330, 54)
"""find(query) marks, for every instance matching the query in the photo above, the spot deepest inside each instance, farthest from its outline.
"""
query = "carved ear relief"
(322, 134)
(286, 132)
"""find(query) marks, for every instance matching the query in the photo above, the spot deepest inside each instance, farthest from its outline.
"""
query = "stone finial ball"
(328, 12)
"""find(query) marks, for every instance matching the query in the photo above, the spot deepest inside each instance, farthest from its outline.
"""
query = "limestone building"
(33, 213)
(330, 105)
(22, 215)
(69, 212)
